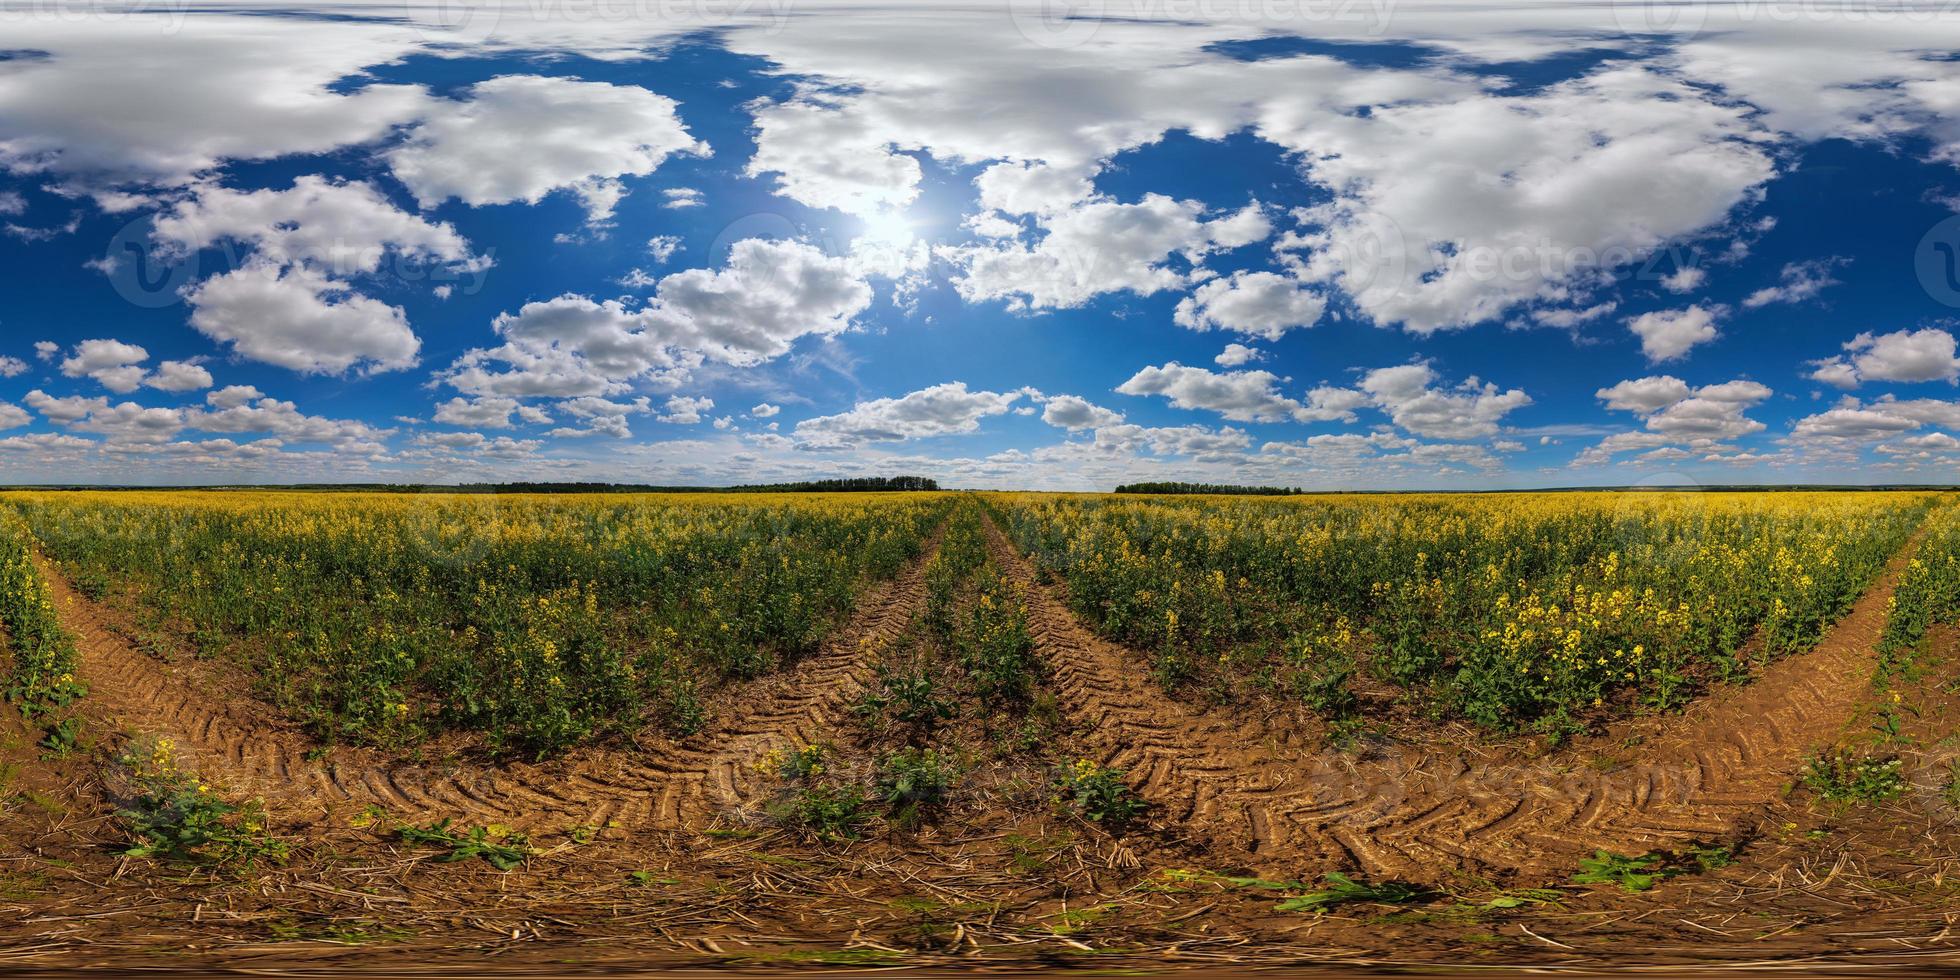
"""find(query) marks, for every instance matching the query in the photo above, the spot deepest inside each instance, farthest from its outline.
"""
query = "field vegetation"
(538, 621)
(1511, 611)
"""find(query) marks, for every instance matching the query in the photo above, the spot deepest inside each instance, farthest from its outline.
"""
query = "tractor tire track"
(1417, 812)
(657, 783)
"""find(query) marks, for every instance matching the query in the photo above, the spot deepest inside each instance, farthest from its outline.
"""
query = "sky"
(1332, 244)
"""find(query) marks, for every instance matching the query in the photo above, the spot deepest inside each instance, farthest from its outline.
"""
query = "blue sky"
(1334, 245)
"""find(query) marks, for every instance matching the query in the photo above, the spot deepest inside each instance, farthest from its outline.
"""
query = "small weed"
(1842, 776)
(1098, 793)
(176, 816)
(1634, 874)
(646, 879)
(909, 697)
(63, 738)
(1339, 889)
(501, 847)
(827, 813)
(1638, 874)
(802, 765)
(910, 780)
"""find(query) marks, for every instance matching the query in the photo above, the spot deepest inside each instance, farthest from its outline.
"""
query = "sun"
(891, 229)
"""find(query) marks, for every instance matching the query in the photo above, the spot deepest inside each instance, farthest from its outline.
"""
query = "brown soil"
(1817, 890)
(1431, 812)
(654, 784)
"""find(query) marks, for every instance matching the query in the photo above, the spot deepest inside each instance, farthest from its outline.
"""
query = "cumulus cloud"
(1469, 410)
(110, 363)
(179, 376)
(1241, 396)
(828, 156)
(1800, 281)
(1667, 335)
(944, 409)
(1075, 414)
(1904, 356)
(1238, 355)
(764, 410)
(1258, 304)
(298, 319)
(576, 135)
(683, 410)
(291, 303)
(1448, 212)
(1677, 416)
(1684, 280)
(488, 413)
(769, 295)
(1098, 247)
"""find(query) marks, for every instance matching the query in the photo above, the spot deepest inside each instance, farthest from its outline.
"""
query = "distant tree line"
(859, 484)
(1213, 488)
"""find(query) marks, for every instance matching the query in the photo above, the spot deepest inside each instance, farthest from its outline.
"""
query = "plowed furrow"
(134, 692)
(1416, 812)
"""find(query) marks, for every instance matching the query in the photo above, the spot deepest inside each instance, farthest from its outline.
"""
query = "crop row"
(1507, 610)
(539, 621)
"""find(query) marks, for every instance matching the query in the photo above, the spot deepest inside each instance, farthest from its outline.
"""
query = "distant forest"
(861, 484)
(1213, 488)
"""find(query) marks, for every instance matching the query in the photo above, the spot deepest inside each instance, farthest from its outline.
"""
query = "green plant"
(1339, 889)
(1843, 776)
(827, 813)
(802, 765)
(1635, 874)
(911, 779)
(175, 816)
(63, 737)
(501, 847)
(908, 696)
(1096, 792)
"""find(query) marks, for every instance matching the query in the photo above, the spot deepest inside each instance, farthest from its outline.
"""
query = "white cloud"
(768, 296)
(1031, 187)
(764, 410)
(110, 363)
(683, 410)
(126, 423)
(1094, 248)
(179, 376)
(129, 98)
(1566, 319)
(13, 416)
(488, 413)
(681, 197)
(1258, 304)
(660, 248)
(12, 367)
(1800, 281)
(1448, 212)
(828, 156)
(1667, 335)
(1238, 355)
(1676, 416)
(575, 135)
(1684, 280)
(290, 303)
(339, 228)
(1468, 411)
(1908, 356)
(1075, 414)
(298, 319)
(46, 350)
(941, 410)
(1241, 396)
